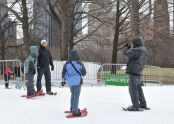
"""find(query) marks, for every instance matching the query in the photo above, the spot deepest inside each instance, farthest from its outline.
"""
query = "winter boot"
(132, 108)
(144, 107)
(6, 85)
(78, 114)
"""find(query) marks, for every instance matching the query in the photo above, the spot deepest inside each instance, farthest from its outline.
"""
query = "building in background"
(46, 27)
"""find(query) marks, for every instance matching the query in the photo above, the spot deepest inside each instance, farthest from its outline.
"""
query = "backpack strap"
(75, 68)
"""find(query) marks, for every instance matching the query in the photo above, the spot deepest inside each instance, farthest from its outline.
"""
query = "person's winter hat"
(137, 42)
(74, 55)
(42, 41)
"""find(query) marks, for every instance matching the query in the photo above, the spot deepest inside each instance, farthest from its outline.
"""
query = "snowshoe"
(51, 93)
(83, 113)
(85, 109)
(132, 108)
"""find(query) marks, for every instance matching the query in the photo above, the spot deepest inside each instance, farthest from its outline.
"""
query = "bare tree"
(5, 24)
(120, 26)
(23, 18)
(173, 17)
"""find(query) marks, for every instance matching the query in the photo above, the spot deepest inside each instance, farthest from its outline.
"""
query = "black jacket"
(137, 57)
(44, 58)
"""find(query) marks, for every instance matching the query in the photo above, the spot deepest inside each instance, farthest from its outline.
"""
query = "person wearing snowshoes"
(137, 57)
(30, 70)
(44, 60)
(72, 72)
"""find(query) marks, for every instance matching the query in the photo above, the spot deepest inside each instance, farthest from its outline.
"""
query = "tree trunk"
(116, 38)
(25, 26)
(64, 35)
(2, 47)
(116, 35)
(173, 17)
(135, 21)
(161, 20)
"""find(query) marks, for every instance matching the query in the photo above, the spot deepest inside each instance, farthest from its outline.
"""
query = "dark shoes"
(32, 94)
(79, 114)
(50, 93)
(6, 86)
(144, 107)
(132, 108)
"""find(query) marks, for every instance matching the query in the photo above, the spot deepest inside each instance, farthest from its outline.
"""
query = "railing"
(97, 74)
(115, 74)
(11, 71)
(56, 75)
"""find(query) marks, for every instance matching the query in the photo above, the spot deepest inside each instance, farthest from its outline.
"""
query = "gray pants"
(30, 84)
(136, 91)
(75, 93)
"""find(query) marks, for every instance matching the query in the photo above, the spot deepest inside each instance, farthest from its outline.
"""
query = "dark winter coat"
(69, 73)
(137, 57)
(44, 59)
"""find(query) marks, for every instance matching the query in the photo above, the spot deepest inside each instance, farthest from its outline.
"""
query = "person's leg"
(141, 94)
(39, 78)
(27, 84)
(133, 90)
(30, 84)
(17, 83)
(7, 78)
(77, 89)
(47, 74)
(72, 97)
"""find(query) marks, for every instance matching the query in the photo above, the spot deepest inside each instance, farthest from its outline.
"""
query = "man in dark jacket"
(137, 58)
(44, 60)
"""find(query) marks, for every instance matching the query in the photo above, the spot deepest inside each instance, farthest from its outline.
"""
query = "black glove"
(63, 83)
(52, 68)
(127, 45)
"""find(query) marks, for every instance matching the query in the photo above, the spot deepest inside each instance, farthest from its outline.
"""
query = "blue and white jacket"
(69, 74)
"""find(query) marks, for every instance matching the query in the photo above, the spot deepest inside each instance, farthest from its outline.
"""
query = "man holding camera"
(137, 57)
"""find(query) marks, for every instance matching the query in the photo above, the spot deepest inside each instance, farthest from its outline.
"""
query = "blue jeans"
(47, 74)
(136, 91)
(75, 93)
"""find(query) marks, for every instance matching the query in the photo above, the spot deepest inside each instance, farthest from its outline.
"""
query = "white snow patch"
(103, 104)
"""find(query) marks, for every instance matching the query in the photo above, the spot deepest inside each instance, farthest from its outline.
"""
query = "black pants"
(47, 74)
(30, 84)
(6, 78)
(136, 91)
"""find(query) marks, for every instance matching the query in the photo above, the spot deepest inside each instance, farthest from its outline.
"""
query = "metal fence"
(111, 73)
(11, 71)
(56, 75)
(97, 74)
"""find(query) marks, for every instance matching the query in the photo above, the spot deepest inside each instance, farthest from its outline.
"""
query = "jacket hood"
(74, 55)
(137, 42)
(33, 50)
(42, 47)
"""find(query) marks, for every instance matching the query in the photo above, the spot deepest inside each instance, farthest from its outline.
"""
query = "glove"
(127, 45)
(63, 83)
(38, 68)
(52, 68)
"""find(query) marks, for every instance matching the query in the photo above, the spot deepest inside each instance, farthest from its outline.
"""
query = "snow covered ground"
(103, 104)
